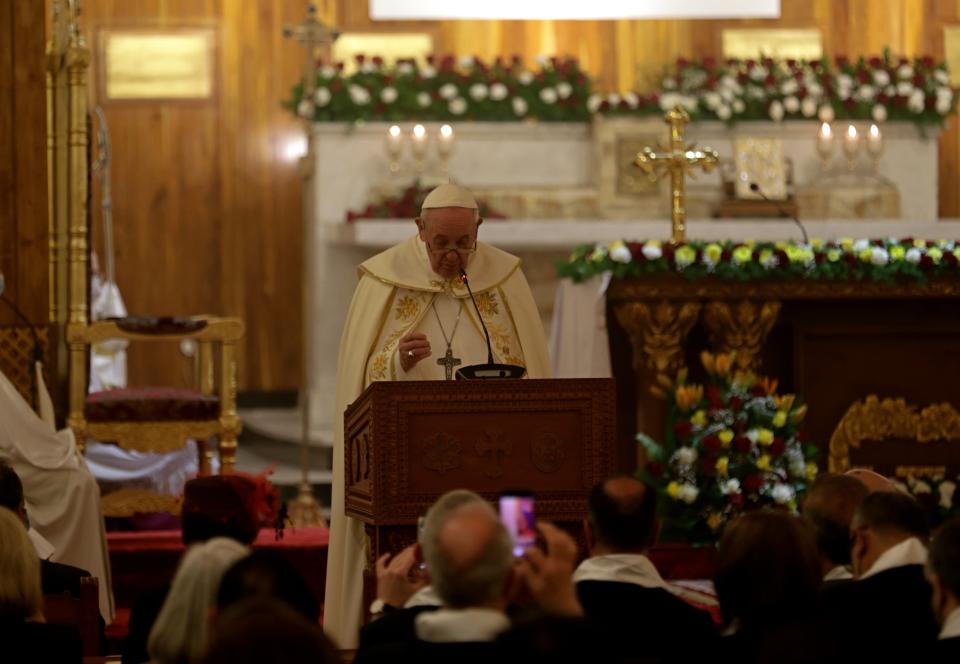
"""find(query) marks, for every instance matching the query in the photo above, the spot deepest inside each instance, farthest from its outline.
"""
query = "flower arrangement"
(878, 88)
(935, 493)
(731, 445)
(447, 89)
(840, 260)
(407, 204)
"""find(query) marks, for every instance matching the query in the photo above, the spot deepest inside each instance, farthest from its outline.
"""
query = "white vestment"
(396, 296)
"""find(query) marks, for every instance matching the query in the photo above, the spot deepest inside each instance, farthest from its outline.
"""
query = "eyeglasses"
(461, 248)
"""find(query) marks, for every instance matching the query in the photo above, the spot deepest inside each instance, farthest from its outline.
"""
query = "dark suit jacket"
(651, 621)
(789, 642)
(884, 617)
(27, 642)
(421, 652)
(945, 650)
(60, 579)
(142, 617)
(397, 626)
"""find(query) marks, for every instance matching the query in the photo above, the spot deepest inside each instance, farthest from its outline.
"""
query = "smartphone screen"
(517, 516)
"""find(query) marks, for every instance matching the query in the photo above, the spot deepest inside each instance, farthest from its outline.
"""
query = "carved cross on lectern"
(679, 160)
(311, 34)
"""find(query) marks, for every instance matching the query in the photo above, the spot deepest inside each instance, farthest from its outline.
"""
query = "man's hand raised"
(413, 348)
(549, 574)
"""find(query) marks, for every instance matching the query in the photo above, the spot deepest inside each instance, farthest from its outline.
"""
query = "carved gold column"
(229, 421)
(741, 326)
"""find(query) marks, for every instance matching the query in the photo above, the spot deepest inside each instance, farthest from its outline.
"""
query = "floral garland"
(446, 89)
(730, 446)
(841, 260)
(879, 88)
(406, 205)
(935, 493)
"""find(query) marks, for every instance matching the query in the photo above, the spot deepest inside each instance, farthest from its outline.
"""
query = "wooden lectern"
(406, 443)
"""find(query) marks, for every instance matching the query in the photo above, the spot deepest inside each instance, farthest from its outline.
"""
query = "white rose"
(776, 111)
(564, 89)
(669, 83)
(782, 493)
(458, 106)
(905, 88)
(723, 112)
(913, 255)
(466, 61)
(651, 251)
(815, 89)
(498, 91)
(613, 99)
(947, 489)
(860, 245)
(688, 493)
(879, 256)
(305, 109)
(825, 114)
(942, 77)
(945, 93)
(322, 97)
(689, 102)
(327, 71)
(632, 99)
(541, 60)
(593, 103)
(685, 456)
(791, 104)
(866, 92)
(620, 253)
(905, 72)
(942, 106)
(712, 100)
(423, 99)
(770, 261)
(808, 107)
(405, 68)
(730, 487)
(758, 73)
(368, 68)
(756, 93)
(916, 101)
(525, 77)
(739, 106)
(388, 95)
(359, 95)
(789, 87)
(879, 113)
(668, 101)
(448, 91)
(519, 106)
(479, 91)
(881, 78)
(548, 96)
(428, 71)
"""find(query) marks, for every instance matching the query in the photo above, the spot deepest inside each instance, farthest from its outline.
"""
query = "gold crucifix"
(679, 160)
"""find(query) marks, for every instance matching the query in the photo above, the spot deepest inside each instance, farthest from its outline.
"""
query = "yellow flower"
(780, 244)
(723, 466)
(616, 244)
(797, 416)
(685, 255)
(816, 243)
(956, 252)
(846, 243)
(749, 243)
(779, 419)
(673, 490)
(812, 471)
(717, 365)
(688, 396)
(897, 252)
(699, 419)
(765, 256)
(744, 379)
(715, 520)
(725, 437)
(833, 255)
(919, 244)
(763, 463)
(713, 251)
(768, 384)
(742, 255)
(785, 402)
(865, 255)
(764, 436)
(935, 254)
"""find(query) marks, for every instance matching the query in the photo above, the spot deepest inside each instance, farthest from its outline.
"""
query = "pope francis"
(411, 319)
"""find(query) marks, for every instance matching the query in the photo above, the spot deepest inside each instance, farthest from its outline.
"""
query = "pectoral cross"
(679, 160)
(448, 361)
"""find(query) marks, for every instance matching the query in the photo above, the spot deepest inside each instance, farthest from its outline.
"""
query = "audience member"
(262, 630)
(214, 506)
(886, 612)
(767, 579)
(943, 573)
(180, 634)
(618, 585)
(828, 506)
(23, 634)
(266, 573)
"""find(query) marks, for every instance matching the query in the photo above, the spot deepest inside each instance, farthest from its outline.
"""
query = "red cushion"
(150, 404)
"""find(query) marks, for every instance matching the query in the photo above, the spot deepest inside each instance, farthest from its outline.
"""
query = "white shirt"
(910, 551)
(426, 596)
(951, 626)
(635, 568)
(838, 573)
(460, 625)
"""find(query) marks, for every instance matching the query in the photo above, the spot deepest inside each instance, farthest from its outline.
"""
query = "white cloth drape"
(579, 345)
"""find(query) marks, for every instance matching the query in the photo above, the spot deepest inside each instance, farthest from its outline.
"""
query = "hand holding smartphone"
(518, 516)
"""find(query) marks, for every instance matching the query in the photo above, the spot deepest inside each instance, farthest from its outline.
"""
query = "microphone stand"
(755, 188)
(491, 369)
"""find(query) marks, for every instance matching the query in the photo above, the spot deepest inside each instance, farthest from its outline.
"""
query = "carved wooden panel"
(16, 359)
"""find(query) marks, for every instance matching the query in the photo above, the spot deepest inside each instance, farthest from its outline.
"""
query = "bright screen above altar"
(551, 9)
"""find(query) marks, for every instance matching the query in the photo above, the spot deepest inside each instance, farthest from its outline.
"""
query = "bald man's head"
(829, 506)
(623, 514)
(470, 557)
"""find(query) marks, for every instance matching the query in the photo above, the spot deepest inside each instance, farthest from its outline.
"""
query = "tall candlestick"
(825, 144)
(875, 145)
(394, 147)
(419, 145)
(851, 145)
(445, 146)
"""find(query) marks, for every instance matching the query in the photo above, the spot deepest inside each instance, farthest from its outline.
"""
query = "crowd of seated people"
(855, 577)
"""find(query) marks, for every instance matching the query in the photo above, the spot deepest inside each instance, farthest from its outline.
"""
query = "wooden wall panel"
(207, 201)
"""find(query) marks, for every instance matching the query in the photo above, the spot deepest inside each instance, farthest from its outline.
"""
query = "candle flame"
(446, 131)
(851, 132)
(394, 131)
(419, 131)
(874, 131)
(825, 130)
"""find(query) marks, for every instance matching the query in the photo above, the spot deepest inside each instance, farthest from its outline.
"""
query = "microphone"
(491, 369)
(755, 188)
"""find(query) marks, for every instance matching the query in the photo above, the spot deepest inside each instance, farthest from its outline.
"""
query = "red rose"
(906, 240)
(387, 79)
(711, 444)
(732, 62)
(709, 466)
(777, 448)
(668, 252)
(802, 94)
(750, 63)
(842, 60)
(899, 101)
(339, 66)
(742, 444)
(815, 64)
(850, 260)
(768, 63)
(736, 500)
(800, 435)
(335, 85)
(360, 58)
(926, 262)
(752, 483)
(709, 62)
(863, 76)
(377, 60)
(636, 250)
(819, 257)
(516, 59)
(927, 61)
(431, 59)
(882, 98)
(742, 78)
(682, 62)
(849, 103)
(950, 258)
(770, 80)
(875, 62)
(791, 63)
(604, 106)
(682, 430)
(736, 403)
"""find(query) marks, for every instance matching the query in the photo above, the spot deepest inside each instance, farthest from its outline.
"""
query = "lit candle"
(394, 147)
(851, 144)
(874, 140)
(419, 146)
(419, 133)
(445, 146)
(825, 144)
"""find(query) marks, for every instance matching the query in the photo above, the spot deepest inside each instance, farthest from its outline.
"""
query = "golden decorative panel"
(777, 43)
(760, 160)
(631, 181)
(157, 64)
(390, 46)
(951, 49)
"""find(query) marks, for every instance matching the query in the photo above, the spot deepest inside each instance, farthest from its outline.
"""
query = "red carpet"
(143, 560)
